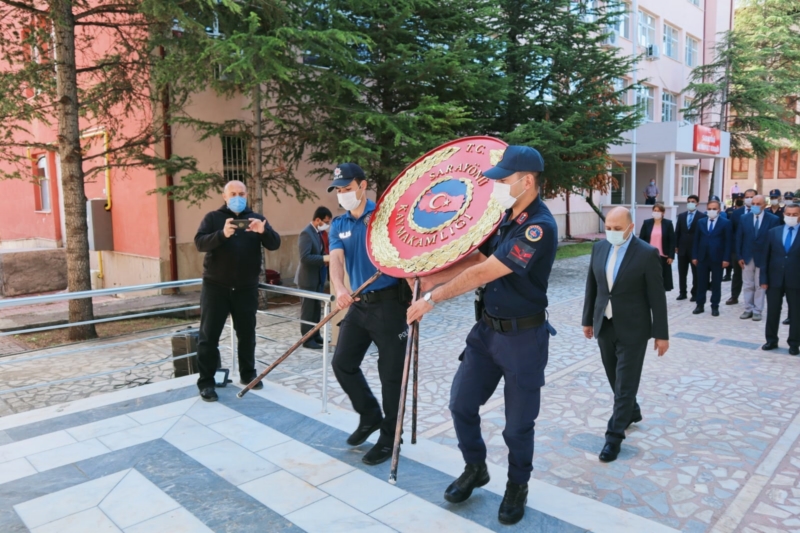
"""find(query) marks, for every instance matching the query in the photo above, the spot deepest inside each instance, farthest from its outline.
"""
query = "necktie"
(689, 220)
(758, 223)
(787, 243)
(610, 277)
(711, 227)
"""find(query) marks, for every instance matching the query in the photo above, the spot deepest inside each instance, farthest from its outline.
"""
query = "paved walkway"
(718, 449)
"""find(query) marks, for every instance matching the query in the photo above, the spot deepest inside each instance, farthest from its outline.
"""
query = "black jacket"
(685, 235)
(233, 262)
(781, 269)
(668, 240)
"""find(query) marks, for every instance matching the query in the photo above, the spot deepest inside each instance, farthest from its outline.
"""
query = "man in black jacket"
(684, 234)
(230, 283)
(312, 272)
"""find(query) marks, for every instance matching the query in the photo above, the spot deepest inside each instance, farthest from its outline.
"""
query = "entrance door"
(618, 189)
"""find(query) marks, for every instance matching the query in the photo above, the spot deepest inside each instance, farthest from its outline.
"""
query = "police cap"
(775, 193)
(344, 174)
(516, 159)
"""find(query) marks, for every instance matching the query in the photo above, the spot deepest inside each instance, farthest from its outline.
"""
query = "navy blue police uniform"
(775, 194)
(510, 341)
(378, 316)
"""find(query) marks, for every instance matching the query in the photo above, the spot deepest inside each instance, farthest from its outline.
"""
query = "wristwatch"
(429, 298)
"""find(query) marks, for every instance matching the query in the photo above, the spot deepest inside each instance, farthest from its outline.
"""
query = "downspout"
(167, 130)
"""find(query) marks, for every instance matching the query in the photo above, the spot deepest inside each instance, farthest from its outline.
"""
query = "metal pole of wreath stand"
(412, 352)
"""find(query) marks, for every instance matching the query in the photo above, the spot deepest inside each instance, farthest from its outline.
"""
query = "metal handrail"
(301, 293)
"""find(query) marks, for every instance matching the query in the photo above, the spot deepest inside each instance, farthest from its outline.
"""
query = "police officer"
(378, 316)
(775, 204)
(510, 340)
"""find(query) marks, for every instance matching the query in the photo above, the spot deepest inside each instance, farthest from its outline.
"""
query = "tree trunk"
(69, 149)
(590, 201)
(760, 175)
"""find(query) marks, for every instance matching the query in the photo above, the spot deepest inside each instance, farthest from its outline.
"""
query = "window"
(235, 165)
(740, 168)
(622, 23)
(647, 29)
(670, 41)
(787, 163)
(687, 102)
(619, 86)
(669, 107)
(691, 51)
(687, 180)
(42, 185)
(695, 2)
(584, 9)
(645, 97)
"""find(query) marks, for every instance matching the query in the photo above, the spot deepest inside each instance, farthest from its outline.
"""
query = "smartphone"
(242, 223)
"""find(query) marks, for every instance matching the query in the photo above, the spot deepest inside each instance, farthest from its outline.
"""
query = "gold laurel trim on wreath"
(464, 207)
(387, 255)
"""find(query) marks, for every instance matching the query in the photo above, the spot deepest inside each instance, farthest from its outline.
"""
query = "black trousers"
(310, 311)
(684, 262)
(714, 270)
(650, 200)
(666, 273)
(623, 364)
(774, 306)
(383, 323)
(216, 303)
(736, 279)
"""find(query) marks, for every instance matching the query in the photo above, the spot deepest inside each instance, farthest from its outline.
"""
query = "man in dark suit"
(684, 233)
(736, 218)
(313, 271)
(737, 202)
(711, 252)
(781, 277)
(624, 307)
(751, 245)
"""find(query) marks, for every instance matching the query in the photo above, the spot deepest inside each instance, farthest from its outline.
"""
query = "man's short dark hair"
(693, 197)
(755, 192)
(719, 205)
(322, 213)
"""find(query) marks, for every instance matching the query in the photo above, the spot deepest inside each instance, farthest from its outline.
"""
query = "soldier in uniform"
(511, 336)
(775, 204)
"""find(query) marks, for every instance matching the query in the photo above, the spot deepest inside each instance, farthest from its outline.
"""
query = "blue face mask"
(237, 204)
(756, 210)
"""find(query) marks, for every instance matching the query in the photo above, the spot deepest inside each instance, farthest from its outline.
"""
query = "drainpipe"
(173, 248)
(635, 47)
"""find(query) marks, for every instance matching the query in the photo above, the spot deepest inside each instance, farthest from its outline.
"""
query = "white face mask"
(691, 206)
(349, 200)
(657, 215)
(712, 213)
(748, 202)
(790, 221)
(502, 194)
(774, 201)
(616, 238)
(323, 227)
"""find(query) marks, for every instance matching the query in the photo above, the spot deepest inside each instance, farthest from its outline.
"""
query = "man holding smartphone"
(231, 237)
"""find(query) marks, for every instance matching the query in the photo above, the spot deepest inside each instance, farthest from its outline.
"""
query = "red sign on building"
(707, 140)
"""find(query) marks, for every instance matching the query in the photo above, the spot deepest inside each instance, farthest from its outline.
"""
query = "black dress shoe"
(731, 301)
(363, 432)
(794, 350)
(610, 452)
(726, 278)
(318, 340)
(786, 322)
(512, 508)
(681, 297)
(474, 476)
(377, 454)
(769, 346)
(209, 394)
(693, 299)
(699, 309)
(257, 386)
(312, 345)
(635, 419)
(715, 311)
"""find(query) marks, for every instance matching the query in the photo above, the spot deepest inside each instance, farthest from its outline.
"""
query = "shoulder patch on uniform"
(521, 253)
(522, 218)
(534, 233)
(366, 218)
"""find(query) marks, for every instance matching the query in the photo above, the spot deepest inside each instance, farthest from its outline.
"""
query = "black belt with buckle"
(504, 326)
(380, 296)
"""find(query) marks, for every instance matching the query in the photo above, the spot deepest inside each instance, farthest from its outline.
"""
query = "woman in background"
(659, 232)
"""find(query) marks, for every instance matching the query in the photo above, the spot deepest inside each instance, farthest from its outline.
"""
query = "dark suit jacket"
(668, 240)
(312, 272)
(714, 247)
(638, 300)
(685, 235)
(781, 269)
(752, 247)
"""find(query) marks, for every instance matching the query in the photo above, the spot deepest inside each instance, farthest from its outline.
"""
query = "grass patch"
(57, 337)
(574, 250)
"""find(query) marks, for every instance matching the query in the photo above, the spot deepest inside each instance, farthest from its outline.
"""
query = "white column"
(668, 192)
(718, 170)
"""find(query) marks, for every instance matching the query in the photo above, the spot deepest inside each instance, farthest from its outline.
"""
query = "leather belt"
(380, 296)
(504, 326)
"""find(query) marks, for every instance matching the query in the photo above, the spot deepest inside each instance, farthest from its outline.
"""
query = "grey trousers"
(752, 291)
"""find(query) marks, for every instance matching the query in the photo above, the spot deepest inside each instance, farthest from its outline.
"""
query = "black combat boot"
(474, 476)
(512, 509)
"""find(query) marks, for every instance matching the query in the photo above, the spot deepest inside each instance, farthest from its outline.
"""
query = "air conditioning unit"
(652, 52)
(611, 37)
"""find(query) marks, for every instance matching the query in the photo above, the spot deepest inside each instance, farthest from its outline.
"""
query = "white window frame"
(671, 34)
(622, 25)
(43, 183)
(687, 101)
(647, 29)
(647, 95)
(688, 174)
(619, 85)
(669, 107)
(692, 47)
(695, 2)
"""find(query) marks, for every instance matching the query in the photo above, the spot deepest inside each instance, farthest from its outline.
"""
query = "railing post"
(233, 349)
(325, 347)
